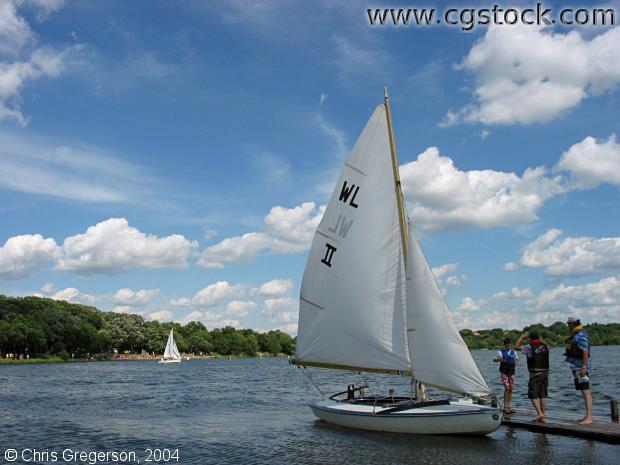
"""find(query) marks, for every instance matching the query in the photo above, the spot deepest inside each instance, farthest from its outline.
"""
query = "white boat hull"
(453, 418)
(169, 360)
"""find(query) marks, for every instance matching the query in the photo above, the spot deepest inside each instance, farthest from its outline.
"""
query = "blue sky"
(173, 158)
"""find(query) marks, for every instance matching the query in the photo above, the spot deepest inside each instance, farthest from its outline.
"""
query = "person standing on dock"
(507, 358)
(578, 357)
(537, 354)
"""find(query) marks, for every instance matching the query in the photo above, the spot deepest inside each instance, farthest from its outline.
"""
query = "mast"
(397, 188)
(420, 388)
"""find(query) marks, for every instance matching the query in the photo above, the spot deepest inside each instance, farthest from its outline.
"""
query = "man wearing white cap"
(578, 357)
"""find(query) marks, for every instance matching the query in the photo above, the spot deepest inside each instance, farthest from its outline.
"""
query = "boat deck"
(603, 429)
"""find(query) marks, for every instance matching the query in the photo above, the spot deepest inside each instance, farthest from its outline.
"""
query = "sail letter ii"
(329, 253)
(347, 191)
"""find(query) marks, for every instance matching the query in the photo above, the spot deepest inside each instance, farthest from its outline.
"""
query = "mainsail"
(352, 302)
(171, 351)
(359, 309)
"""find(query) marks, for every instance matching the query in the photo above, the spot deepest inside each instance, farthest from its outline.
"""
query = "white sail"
(352, 302)
(438, 353)
(171, 351)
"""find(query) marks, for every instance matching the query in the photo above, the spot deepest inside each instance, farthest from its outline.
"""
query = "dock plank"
(602, 429)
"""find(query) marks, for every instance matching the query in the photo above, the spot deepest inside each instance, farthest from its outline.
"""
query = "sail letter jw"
(352, 304)
(439, 355)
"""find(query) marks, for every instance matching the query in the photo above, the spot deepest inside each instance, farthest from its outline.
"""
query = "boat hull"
(449, 418)
(169, 360)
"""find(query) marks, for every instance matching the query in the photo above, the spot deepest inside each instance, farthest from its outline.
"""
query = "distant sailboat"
(171, 354)
(369, 302)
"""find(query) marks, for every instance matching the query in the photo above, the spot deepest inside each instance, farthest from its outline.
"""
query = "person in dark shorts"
(537, 354)
(507, 358)
(578, 357)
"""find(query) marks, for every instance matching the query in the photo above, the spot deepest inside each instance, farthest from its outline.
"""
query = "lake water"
(251, 411)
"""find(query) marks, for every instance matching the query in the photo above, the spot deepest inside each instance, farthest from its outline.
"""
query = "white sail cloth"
(171, 348)
(352, 302)
(438, 353)
(357, 308)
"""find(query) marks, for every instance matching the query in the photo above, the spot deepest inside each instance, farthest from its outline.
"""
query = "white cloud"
(25, 63)
(592, 163)
(322, 98)
(82, 173)
(288, 231)
(181, 302)
(572, 256)
(200, 316)
(209, 234)
(510, 266)
(112, 247)
(127, 296)
(283, 304)
(70, 294)
(470, 305)
(276, 288)
(526, 75)
(289, 328)
(515, 293)
(441, 197)
(217, 292)
(159, 315)
(440, 271)
(597, 301)
(210, 320)
(24, 255)
(602, 296)
(239, 308)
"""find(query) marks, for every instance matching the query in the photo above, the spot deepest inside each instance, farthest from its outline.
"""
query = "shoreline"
(126, 358)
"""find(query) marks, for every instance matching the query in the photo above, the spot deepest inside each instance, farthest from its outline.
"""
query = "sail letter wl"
(347, 191)
(329, 253)
(342, 226)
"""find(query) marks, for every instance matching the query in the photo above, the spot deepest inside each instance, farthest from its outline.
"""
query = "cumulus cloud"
(159, 315)
(526, 75)
(181, 302)
(440, 271)
(442, 197)
(599, 297)
(591, 162)
(572, 256)
(274, 306)
(217, 292)
(470, 305)
(112, 247)
(210, 320)
(70, 294)
(239, 308)
(597, 301)
(276, 288)
(287, 231)
(24, 255)
(126, 296)
(515, 293)
(25, 63)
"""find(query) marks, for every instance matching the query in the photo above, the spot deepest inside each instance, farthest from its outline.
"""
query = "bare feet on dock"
(585, 421)
(539, 418)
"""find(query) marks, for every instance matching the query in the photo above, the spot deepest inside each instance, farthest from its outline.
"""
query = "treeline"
(555, 335)
(34, 325)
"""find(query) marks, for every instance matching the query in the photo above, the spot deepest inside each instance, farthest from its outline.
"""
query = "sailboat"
(369, 303)
(171, 354)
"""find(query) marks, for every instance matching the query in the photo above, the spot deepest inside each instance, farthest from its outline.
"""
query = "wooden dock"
(603, 429)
